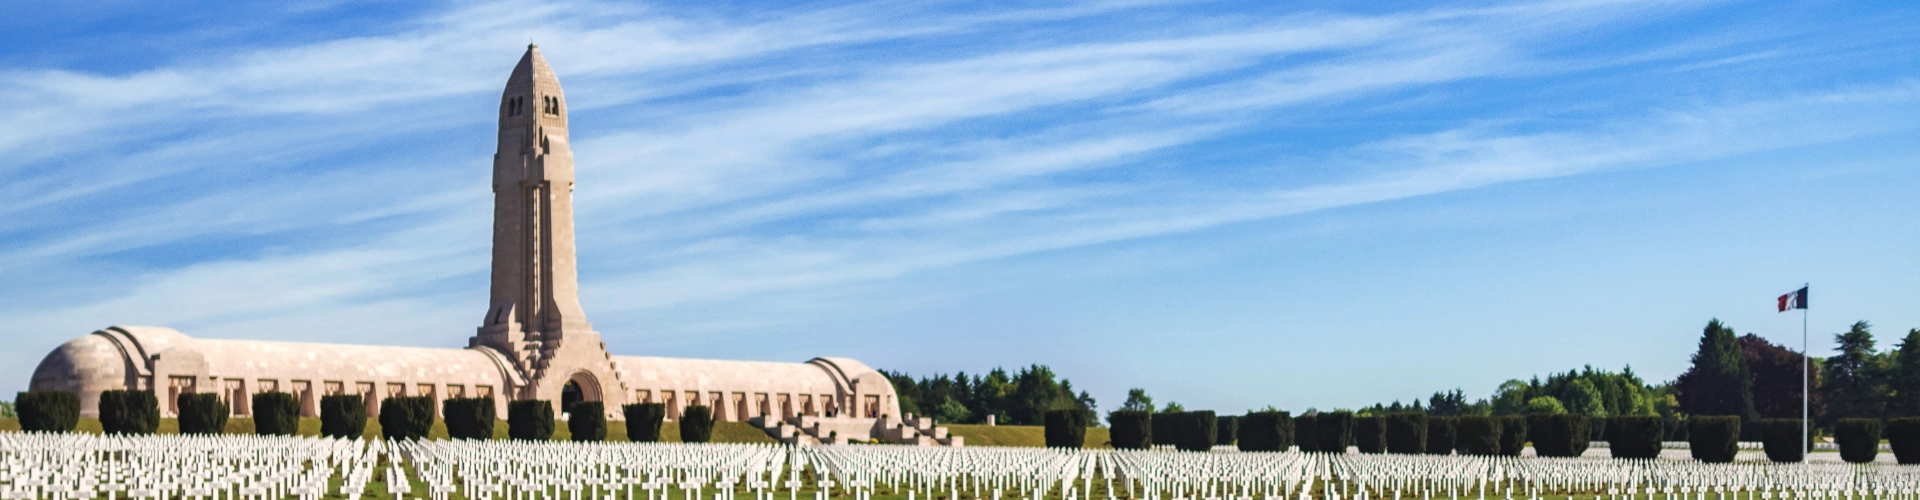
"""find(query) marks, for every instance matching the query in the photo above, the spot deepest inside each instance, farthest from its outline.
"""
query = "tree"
(1510, 398)
(1904, 378)
(1138, 400)
(1855, 380)
(1585, 399)
(1447, 404)
(1718, 383)
(1173, 407)
(1546, 405)
(1776, 378)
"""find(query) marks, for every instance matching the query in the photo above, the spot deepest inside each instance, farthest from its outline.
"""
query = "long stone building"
(533, 343)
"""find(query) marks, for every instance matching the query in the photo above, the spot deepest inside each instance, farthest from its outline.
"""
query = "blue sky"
(1230, 204)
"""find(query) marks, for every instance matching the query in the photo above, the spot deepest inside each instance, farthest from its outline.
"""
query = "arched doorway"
(582, 386)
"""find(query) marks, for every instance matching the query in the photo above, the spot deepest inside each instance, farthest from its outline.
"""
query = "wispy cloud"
(726, 156)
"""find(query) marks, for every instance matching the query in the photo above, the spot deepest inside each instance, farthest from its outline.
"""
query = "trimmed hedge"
(1635, 436)
(696, 424)
(644, 420)
(1370, 434)
(1163, 428)
(1714, 439)
(47, 411)
(587, 421)
(1335, 431)
(275, 414)
(1477, 435)
(1306, 432)
(1904, 435)
(406, 417)
(1131, 429)
(530, 419)
(1513, 435)
(1407, 433)
(203, 413)
(343, 416)
(1783, 439)
(1195, 430)
(1263, 431)
(129, 412)
(1227, 430)
(1442, 434)
(1560, 434)
(1066, 428)
(468, 418)
(1859, 439)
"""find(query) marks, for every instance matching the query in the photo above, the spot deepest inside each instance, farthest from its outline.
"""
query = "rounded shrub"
(1714, 439)
(468, 418)
(129, 412)
(1559, 434)
(644, 420)
(1513, 435)
(1066, 428)
(1370, 434)
(1477, 435)
(1334, 431)
(275, 414)
(1635, 436)
(47, 411)
(1407, 433)
(530, 419)
(1903, 435)
(1306, 432)
(587, 421)
(1441, 435)
(343, 416)
(1859, 439)
(1784, 440)
(696, 424)
(203, 413)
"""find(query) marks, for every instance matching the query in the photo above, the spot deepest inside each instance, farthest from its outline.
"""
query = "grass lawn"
(1019, 435)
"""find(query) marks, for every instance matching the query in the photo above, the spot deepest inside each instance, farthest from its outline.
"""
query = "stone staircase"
(842, 430)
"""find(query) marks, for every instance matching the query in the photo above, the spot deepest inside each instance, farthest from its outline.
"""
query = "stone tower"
(535, 316)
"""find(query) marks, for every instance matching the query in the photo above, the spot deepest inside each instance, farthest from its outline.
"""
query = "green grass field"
(1019, 435)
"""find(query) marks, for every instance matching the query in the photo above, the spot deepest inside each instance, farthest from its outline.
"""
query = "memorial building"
(534, 341)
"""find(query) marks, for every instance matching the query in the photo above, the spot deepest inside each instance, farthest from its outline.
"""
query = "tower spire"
(535, 302)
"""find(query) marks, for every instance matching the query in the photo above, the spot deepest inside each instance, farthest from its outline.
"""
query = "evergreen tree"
(1719, 383)
(1854, 381)
(1904, 381)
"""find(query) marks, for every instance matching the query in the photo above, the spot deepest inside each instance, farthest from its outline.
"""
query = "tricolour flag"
(1794, 300)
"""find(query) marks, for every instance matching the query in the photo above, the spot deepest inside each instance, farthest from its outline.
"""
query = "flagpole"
(1805, 396)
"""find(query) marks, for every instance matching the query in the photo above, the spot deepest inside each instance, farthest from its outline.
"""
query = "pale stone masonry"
(534, 342)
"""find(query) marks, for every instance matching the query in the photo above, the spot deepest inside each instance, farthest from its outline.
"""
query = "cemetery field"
(75, 466)
(723, 432)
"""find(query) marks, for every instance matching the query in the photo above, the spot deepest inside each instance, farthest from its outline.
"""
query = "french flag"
(1794, 300)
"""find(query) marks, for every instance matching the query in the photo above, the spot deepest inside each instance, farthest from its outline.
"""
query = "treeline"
(1752, 379)
(1590, 392)
(1022, 398)
(1730, 375)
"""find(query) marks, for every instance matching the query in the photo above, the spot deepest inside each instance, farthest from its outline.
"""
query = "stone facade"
(534, 342)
